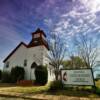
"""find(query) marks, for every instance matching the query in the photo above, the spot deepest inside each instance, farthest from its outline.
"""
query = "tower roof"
(39, 31)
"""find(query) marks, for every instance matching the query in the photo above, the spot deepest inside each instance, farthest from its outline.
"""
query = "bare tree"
(57, 53)
(87, 49)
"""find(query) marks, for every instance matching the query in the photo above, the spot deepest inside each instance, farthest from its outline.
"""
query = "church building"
(26, 55)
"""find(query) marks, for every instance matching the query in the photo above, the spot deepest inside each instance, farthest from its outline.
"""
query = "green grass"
(30, 89)
(80, 92)
(98, 83)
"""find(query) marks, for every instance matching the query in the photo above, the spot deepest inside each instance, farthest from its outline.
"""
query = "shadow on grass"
(7, 85)
(75, 92)
(45, 90)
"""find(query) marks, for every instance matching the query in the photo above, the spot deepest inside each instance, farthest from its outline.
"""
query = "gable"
(14, 51)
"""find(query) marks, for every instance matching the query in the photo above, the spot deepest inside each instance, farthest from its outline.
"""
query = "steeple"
(38, 31)
(38, 38)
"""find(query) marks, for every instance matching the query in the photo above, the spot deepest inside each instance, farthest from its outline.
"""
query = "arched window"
(34, 65)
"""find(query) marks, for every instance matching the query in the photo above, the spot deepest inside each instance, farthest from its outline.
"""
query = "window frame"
(7, 64)
(25, 62)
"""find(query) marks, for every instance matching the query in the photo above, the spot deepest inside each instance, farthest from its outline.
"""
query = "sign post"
(76, 77)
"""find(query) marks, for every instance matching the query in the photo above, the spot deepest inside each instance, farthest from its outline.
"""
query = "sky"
(19, 18)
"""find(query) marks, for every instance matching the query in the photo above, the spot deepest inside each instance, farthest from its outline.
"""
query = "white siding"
(17, 59)
(36, 54)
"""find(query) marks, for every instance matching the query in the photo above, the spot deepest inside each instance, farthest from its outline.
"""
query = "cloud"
(48, 22)
(91, 5)
(77, 21)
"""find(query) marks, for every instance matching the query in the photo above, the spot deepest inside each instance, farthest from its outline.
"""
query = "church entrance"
(32, 71)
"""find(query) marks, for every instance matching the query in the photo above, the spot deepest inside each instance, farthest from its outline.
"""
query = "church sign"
(77, 77)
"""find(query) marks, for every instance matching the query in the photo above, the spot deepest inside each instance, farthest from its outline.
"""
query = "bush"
(98, 91)
(17, 74)
(56, 85)
(41, 75)
(6, 77)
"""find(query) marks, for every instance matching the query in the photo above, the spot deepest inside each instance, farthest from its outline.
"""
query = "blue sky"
(18, 18)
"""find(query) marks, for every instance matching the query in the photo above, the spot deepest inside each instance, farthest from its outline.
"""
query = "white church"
(25, 55)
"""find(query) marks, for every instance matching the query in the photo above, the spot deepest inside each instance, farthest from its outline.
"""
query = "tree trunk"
(57, 74)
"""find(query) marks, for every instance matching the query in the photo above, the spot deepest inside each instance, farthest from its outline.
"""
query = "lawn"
(85, 92)
(98, 83)
(21, 89)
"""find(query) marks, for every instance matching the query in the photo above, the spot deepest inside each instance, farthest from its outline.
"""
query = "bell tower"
(38, 39)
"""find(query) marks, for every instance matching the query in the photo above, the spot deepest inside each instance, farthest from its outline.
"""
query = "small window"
(7, 64)
(25, 62)
(36, 35)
